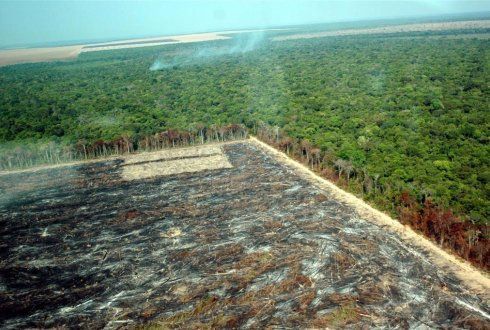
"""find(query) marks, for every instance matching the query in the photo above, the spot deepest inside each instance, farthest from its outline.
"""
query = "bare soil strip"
(167, 154)
(175, 161)
(483, 24)
(156, 41)
(475, 279)
(131, 43)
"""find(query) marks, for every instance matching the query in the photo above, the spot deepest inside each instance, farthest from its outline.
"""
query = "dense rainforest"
(399, 119)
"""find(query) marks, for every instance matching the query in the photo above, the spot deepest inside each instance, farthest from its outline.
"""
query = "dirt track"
(250, 246)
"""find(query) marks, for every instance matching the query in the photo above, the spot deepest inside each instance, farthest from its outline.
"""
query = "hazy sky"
(29, 22)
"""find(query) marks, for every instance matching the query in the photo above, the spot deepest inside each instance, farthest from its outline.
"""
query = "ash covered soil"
(244, 247)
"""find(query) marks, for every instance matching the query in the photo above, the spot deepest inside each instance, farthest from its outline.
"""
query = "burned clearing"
(247, 244)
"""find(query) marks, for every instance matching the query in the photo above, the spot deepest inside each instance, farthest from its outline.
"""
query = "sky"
(42, 22)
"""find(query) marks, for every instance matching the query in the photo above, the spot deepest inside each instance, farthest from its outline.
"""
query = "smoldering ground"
(240, 43)
(251, 246)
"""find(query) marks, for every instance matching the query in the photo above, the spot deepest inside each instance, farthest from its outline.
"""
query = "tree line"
(15, 155)
(469, 240)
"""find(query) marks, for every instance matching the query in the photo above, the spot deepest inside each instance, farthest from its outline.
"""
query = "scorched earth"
(216, 236)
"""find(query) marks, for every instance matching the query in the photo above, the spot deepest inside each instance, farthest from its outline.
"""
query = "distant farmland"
(221, 236)
(31, 55)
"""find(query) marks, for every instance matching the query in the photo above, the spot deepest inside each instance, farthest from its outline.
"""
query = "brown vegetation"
(469, 241)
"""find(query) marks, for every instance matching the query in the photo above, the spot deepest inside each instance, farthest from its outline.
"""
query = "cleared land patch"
(31, 55)
(250, 246)
(174, 161)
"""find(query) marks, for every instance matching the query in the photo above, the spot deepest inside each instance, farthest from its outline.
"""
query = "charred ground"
(250, 246)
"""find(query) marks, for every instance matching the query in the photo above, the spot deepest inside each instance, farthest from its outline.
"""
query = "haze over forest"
(31, 23)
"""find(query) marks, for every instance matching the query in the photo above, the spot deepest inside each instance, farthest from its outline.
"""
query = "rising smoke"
(240, 44)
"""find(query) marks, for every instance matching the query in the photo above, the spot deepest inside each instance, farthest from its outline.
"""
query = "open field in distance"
(419, 27)
(31, 55)
(251, 245)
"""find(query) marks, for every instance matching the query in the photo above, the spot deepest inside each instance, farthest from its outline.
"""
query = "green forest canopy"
(412, 110)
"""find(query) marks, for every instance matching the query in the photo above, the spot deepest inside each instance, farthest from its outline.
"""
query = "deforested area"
(399, 119)
(250, 245)
(254, 164)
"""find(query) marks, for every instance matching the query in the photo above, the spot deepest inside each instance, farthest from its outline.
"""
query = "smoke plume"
(240, 44)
